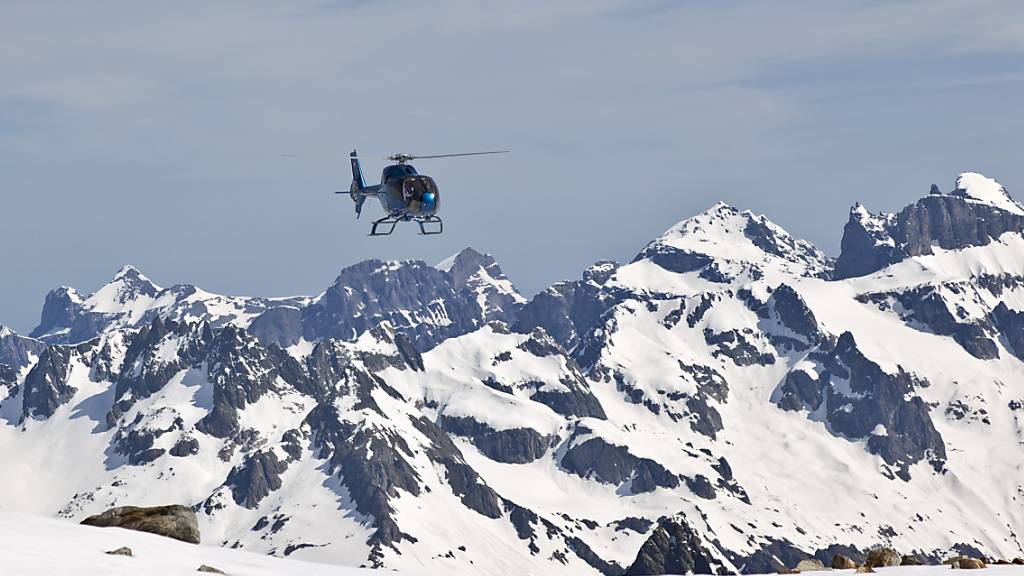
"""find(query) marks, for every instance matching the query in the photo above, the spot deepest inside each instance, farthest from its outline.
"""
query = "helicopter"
(404, 194)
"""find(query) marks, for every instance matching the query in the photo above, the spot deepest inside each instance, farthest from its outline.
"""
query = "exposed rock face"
(863, 401)
(479, 276)
(281, 326)
(173, 521)
(17, 351)
(889, 401)
(569, 309)
(793, 313)
(1011, 324)
(610, 464)
(409, 296)
(46, 386)
(8, 376)
(950, 221)
(926, 307)
(673, 548)
(573, 397)
(255, 478)
(512, 446)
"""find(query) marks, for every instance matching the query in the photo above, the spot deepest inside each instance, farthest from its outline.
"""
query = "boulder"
(911, 561)
(210, 569)
(882, 557)
(122, 551)
(865, 569)
(810, 565)
(965, 563)
(178, 522)
(840, 562)
(1018, 561)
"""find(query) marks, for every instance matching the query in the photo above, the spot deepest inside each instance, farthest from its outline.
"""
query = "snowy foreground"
(39, 546)
(46, 547)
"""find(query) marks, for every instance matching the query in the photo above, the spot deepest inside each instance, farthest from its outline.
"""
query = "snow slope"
(979, 188)
(47, 547)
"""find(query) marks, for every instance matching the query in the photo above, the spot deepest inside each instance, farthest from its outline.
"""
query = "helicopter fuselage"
(406, 194)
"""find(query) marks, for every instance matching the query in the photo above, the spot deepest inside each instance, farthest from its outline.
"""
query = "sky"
(202, 141)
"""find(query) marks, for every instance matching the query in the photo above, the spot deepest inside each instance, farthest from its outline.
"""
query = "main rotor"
(406, 158)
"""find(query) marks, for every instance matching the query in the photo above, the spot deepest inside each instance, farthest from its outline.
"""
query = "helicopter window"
(420, 194)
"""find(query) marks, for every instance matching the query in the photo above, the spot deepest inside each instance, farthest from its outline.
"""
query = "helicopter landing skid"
(430, 220)
(389, 221)
(387, 225)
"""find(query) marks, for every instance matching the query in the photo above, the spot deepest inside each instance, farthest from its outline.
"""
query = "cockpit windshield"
(421, 196)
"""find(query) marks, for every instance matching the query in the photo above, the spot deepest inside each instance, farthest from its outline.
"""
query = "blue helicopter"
(404, 194)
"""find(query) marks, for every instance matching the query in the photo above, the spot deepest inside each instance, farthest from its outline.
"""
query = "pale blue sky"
(153, 136)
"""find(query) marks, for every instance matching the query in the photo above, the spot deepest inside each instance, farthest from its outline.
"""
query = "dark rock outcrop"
(794, 314)
(951, 222)
(673, 548)
(925, 307)
(255, 478)
(887, 404)
(17, 351)
(178, 522)
(46, 386)
(595, 458)
(512, 445)
(1011, 325)
(863, 401)
(409, 296)
(476, 274)
(568, 310)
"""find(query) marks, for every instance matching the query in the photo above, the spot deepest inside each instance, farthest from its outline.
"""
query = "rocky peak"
(600, 272)
(17, 351)
(411, 296)
(60, 309)
(735, 240)
(976, 212)
(128, 287)
(976, 187)
(480, 276)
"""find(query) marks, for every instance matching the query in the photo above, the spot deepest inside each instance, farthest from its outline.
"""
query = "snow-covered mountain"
(731, 399)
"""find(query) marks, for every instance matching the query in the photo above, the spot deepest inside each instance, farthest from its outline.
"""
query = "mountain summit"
(977, 212)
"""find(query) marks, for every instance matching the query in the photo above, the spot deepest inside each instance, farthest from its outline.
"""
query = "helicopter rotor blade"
(461, 154)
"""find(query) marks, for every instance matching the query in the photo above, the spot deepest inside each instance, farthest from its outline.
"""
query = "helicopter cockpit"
(397, 172)
(421, 195)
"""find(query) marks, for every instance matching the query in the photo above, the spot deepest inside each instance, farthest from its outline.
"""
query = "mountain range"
(731, 400)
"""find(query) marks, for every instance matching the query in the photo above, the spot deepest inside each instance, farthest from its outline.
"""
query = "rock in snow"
(174, 521)
(698, 408)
